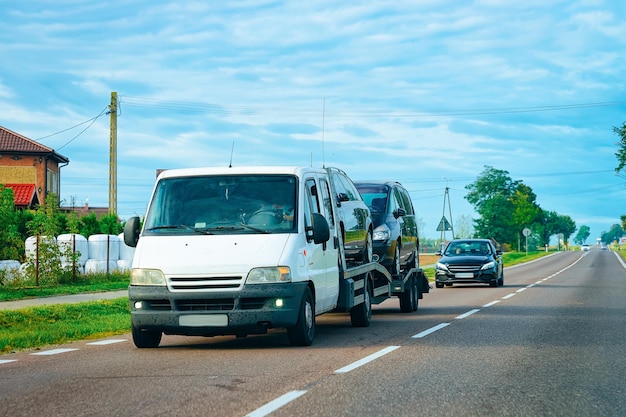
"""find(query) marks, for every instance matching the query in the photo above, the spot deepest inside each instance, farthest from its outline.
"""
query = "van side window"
(344, 185)
(327, 201)
(311, 188)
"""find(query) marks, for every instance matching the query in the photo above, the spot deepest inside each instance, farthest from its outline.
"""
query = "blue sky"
(424, 92)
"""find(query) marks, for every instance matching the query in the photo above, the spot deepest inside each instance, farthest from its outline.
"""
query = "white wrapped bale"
(75, 242)
(99, 266)
(30, 245)
(126, 252)
(103, 247)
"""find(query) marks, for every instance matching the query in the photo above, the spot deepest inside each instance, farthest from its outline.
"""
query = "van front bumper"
(252, 310)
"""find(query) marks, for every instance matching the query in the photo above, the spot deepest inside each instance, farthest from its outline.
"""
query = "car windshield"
(465, 248)
(232, 204)
(375, 196)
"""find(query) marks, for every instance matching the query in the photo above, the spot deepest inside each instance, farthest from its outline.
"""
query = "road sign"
(526, 232)
(444, 225)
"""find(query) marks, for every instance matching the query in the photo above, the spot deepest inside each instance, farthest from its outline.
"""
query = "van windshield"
(228, 204)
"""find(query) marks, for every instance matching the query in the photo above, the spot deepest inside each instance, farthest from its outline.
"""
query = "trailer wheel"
(416, 295)
(408, 299)
(303, 333)
(146, 338)
(361, 315)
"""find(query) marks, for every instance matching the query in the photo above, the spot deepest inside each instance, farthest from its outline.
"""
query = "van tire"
(146, 338)
(303, 333)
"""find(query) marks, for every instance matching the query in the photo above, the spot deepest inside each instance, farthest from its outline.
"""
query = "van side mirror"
(341, 197)
(320, 230)
(399, 212)
(131, 231)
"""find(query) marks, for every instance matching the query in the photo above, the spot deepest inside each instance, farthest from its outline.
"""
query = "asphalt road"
(551, 342)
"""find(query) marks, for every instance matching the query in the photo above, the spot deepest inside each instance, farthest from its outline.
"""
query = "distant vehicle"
(470, 261)
(603, 247)
(584, 247)
(396, 240)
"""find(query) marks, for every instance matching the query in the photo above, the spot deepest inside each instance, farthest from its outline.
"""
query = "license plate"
(203, 320)
(464, 275)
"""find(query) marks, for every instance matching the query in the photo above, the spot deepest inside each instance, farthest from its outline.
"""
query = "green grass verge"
(49, 325)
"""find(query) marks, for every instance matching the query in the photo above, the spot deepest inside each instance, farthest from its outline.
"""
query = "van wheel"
(146, 338)
(361, 315)
(303, 333)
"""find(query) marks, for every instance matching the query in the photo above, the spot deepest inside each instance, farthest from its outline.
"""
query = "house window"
(52, 185)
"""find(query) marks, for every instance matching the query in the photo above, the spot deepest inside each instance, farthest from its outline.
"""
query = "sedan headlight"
(488, 265)
(441, 267)
(382, 232)
(141, 276)
(279, 274)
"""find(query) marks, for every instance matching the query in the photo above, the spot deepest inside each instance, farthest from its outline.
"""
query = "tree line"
(506, 207)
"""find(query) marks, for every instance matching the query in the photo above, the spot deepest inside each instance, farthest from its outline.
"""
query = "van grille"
(204, 283)
(220, 304)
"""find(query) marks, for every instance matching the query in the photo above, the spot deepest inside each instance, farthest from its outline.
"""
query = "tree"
(109, 224)
(566, 226)
(621, 152)
(464, 227)
(492, 197)
(612, 235)
(11, 242)
(582, 235)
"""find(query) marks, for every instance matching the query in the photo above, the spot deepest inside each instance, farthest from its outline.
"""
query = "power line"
(92, 120)
(213, 108)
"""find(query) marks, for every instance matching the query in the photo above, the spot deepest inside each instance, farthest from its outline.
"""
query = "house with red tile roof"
(31, 169)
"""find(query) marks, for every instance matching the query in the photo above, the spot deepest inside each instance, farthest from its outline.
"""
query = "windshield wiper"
(241, 226)
(180, 226)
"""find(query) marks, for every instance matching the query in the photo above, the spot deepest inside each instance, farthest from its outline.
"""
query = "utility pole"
(444, 224)
(113, 156)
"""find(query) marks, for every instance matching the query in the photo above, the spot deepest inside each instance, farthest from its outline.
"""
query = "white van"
(237, 251)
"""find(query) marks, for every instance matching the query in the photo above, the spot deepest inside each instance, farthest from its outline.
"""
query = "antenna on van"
(323, 128)
(230, 164)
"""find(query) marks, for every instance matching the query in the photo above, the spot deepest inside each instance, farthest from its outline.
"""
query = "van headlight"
(141, 276)
(269, 275)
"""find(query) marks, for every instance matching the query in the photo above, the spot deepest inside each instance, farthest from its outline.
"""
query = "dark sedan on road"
(470, 261)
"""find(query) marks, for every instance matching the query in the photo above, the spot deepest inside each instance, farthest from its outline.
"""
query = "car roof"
(390, 183)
